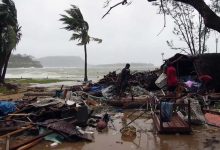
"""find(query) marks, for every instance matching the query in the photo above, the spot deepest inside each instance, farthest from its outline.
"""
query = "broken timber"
(176, 124)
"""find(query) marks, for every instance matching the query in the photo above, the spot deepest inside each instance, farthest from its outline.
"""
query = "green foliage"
(75, 22)
(4, 90)
(29, 81)
(18, 61)
(189, 27)
(10, 34)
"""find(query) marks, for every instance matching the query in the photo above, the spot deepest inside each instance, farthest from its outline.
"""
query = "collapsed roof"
(205, 64)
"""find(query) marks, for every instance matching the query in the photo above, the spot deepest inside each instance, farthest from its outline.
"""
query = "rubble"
(69, 113)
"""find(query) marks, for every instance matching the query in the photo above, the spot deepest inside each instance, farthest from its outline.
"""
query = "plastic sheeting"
(161, 81)
(47, 102)
(197, 117)
(166, 111)
(139, 91)
(7, 107)
(96, 89)
(108, 92)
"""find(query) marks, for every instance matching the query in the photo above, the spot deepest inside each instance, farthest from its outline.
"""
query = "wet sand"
(205, 137)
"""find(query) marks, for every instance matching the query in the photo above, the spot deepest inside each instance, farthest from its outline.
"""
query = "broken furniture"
(176, 124)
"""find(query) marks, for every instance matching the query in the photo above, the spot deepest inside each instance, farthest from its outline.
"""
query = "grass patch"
(29, 80)
(4, 90)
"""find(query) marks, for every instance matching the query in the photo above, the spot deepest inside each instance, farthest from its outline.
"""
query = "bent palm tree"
(75, 22)
(9, 34)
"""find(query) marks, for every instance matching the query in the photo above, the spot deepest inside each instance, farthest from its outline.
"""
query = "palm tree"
(75, 22)
(14, 36)
(9, 34)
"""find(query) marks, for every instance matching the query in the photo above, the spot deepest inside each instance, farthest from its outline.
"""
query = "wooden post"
(7, 142)
(161, 122)
(189, 114)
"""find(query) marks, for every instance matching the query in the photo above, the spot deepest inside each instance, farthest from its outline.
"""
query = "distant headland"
(27, 61)
(23, 61)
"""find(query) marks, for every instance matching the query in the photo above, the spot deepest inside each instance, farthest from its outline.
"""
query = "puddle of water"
(146, 139)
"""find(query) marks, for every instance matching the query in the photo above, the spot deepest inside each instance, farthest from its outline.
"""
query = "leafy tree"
(10, 34)
(211, 19)
(189, 27)
(75, 22)
(215, 5)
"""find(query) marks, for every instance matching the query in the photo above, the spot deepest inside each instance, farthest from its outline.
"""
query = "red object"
(213, 119)
(205, 78)
(101, 124)
(171, 76)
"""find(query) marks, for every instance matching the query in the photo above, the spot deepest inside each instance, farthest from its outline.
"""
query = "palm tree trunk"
(2, 65)
(85, 69)
(5, 66)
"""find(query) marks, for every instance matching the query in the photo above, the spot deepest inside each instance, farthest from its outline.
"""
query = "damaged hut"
(199, 65)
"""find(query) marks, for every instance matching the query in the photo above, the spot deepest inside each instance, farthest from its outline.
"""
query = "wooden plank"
(29, 145)
(171, 125)
(17, 131)
(178, 121)
(176, 125)
(30, 141)
(156, 122)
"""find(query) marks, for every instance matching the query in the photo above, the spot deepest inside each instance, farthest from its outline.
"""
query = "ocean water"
(94, 73)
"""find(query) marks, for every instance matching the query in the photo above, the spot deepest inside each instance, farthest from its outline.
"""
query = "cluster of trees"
(17, 61)
(10, 34)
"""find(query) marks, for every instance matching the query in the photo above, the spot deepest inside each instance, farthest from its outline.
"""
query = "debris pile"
(76, 112)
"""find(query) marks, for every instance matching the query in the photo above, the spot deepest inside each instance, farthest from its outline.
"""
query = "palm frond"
(76, 37)
(74, 21)
(80, 44)
(96, 39)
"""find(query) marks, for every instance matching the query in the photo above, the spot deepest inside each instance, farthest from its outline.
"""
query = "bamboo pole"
(29, 145)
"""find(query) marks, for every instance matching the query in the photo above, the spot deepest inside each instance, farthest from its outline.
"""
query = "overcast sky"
(129, 33)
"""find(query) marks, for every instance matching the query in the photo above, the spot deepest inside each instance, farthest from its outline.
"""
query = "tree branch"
(211, 20)
(123, 2)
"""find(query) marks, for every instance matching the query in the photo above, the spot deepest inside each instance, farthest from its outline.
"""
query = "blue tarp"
(97, 88)
(7, 107)
(166, 111)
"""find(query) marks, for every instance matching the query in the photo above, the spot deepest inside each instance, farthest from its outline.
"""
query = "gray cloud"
(129, 33)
